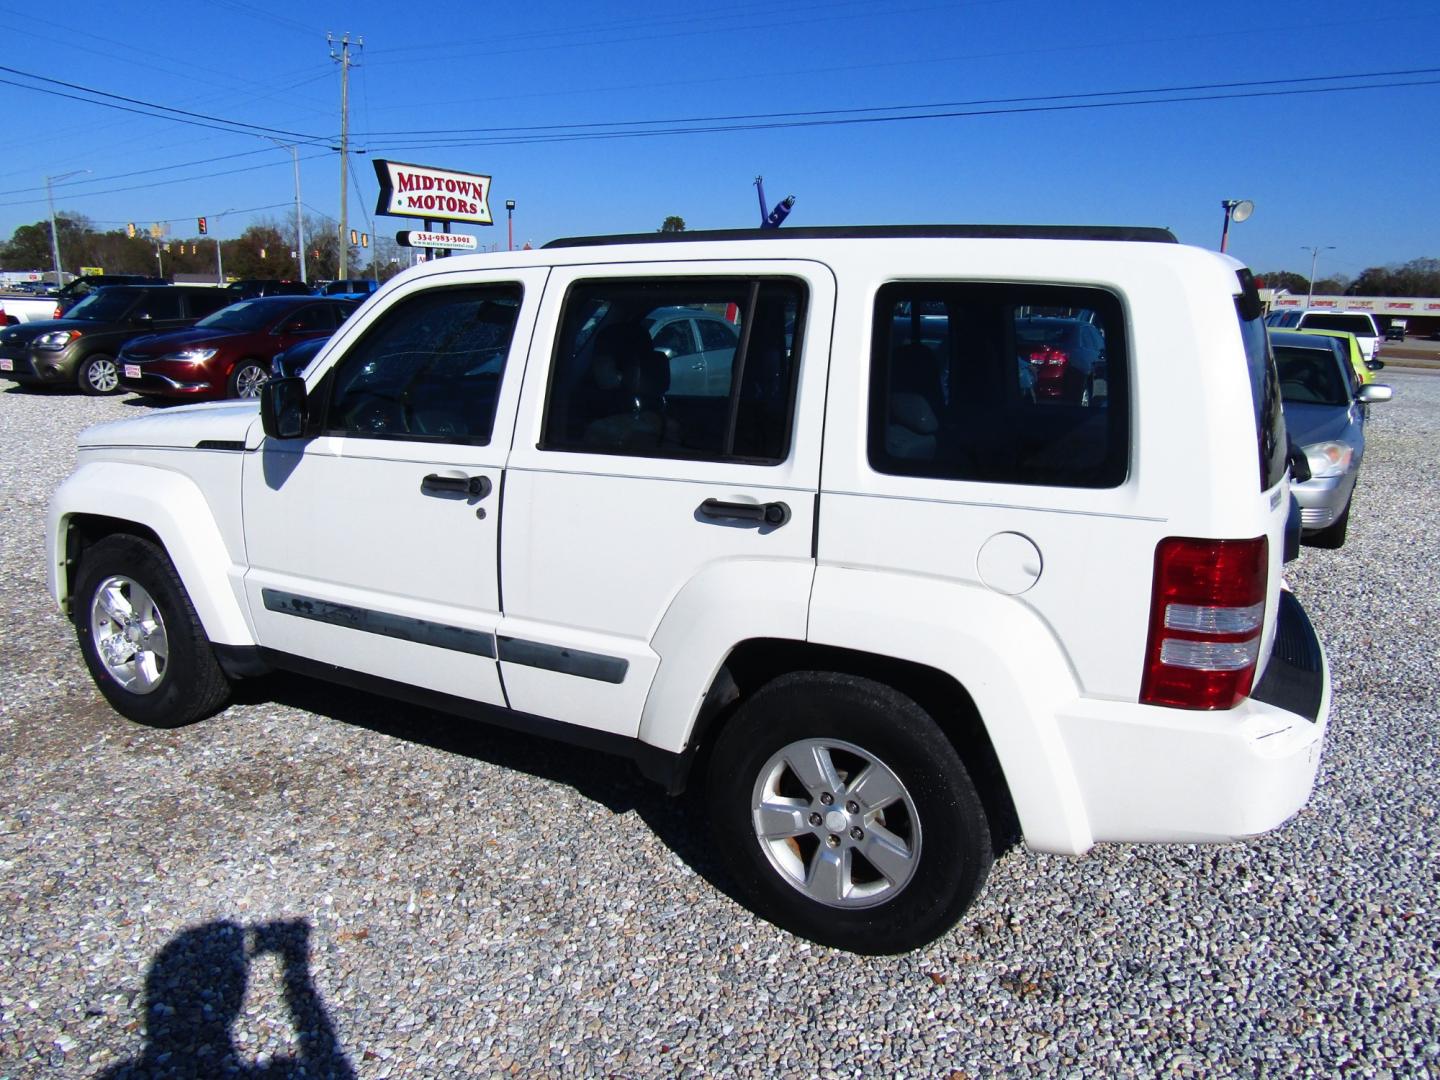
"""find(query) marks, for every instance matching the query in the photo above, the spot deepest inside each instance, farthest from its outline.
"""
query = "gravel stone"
(372, 890)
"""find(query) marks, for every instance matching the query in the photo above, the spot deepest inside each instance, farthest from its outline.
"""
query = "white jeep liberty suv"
(914, 537)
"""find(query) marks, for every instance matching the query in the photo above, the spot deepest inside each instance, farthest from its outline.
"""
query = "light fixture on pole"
(510, 224)
(1237, 210)
(1314, 255)
(54, 235)
(219, 264)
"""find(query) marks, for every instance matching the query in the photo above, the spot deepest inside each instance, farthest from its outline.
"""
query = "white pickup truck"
(19, 308)
(888, 604)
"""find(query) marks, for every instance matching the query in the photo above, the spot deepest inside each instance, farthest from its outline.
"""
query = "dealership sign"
(448, 241)
(435, 194)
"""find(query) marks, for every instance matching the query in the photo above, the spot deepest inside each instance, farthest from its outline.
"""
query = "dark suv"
(80, 349)
(82, 287)
(249, 288)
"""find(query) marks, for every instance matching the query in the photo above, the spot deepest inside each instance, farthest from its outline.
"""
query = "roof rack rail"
(1133, 233)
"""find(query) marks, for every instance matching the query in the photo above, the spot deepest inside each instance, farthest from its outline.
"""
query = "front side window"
(1001, 383)
(430, 368)
(630, 375)
(160, 304)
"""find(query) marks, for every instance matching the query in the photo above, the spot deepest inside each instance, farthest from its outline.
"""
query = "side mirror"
(1375, 365)
(282, 408)
(1375, 392)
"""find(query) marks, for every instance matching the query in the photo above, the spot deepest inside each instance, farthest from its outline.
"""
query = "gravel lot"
(374, 891)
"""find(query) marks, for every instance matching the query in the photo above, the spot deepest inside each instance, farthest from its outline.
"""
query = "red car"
(228, 353)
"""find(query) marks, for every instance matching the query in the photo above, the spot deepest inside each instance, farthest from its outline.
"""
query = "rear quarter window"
(1000, 383)
(1270, 439)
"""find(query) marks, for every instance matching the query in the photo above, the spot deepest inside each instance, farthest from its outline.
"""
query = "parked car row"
(1326, 401)
(178, 341)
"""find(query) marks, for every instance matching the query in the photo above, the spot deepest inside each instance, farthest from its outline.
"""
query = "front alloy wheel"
(99, 375)
(248, 378)
(129, 634)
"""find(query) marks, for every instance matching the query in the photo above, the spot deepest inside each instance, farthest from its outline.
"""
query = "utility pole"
(54, 234)
(1314, 257)
(343, 59)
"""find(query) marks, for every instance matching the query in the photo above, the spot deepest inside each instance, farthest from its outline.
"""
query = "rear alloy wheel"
(140, 636)
(846, 815)
(247, 378)
(98, 375)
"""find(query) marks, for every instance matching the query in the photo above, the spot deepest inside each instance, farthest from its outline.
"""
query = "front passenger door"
(373, 543)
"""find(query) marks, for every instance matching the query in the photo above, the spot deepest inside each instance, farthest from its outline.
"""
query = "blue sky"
(1357, 169)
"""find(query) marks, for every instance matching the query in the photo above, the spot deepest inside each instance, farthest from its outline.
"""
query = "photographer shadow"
(195, 990)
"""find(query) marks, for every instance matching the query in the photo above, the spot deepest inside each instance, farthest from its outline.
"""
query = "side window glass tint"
(308, 319)
(161, 304)
(430, 369)
(1017, 384)
(630, 377)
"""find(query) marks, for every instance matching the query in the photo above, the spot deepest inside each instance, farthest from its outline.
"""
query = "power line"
(894, 108)
(141, 172)
(233, 124)
(165, 183)
(580, 136)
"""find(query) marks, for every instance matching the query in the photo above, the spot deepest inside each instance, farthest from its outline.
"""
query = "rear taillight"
(1050, 355)
(1207, 611)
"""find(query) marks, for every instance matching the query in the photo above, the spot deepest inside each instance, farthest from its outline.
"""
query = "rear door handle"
(474, 487)
(771, 513)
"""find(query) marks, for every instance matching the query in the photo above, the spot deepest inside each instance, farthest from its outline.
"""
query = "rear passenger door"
(640, 515)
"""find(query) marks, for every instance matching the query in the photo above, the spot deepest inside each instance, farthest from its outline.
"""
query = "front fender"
(1004, 656)
(171, 506)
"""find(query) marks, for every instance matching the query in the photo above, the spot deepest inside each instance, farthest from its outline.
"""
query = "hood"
(1316, 423)
(183, 427)
(25, 333)
(172, 340)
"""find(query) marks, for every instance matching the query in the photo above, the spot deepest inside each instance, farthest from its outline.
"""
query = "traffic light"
(354, 237)
(130, 229)
(262, 253)
(364, 239)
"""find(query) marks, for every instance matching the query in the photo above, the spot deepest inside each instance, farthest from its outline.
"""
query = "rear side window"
(430, 369)
(680, 368)
(1359, 325)
(1000, 383)
(207, 302)
(1264, 385)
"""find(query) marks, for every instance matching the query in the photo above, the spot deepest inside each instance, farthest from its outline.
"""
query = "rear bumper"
(1148, 774)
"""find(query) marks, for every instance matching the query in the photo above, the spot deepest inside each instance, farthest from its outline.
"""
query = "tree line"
(1418, 277)
(266, 249)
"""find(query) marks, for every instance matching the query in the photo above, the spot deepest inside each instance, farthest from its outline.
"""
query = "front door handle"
(474, 487)
(772, 513)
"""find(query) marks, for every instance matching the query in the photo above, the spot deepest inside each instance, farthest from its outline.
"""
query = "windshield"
(242, 318)
(1310, 376)
(103, 305)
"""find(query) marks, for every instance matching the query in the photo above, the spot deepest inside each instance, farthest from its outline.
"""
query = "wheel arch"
(163, 507)
(754, 662)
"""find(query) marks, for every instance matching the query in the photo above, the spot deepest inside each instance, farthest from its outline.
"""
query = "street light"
(1314, 255)
(1239, 210)
(510, 224)
(55, 236)
(219, 265)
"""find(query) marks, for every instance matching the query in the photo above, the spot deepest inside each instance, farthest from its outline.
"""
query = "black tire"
(242, 377)
(948, 838)
(1333, 535)
(97, 374)
(188, 684)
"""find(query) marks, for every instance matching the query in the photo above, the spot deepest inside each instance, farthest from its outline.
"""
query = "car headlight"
(56, 339)
(1329, 458)
(194, 356)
